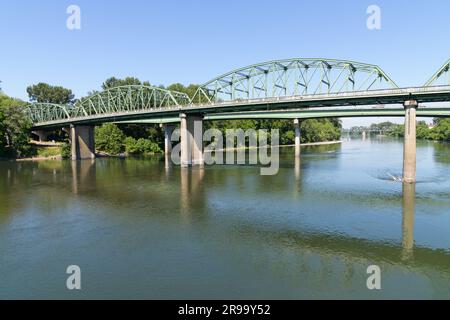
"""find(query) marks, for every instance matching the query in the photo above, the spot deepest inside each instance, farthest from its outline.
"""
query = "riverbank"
(317, 143)
(283, 146)
(41, 152)
(57, 157)
(33, 159)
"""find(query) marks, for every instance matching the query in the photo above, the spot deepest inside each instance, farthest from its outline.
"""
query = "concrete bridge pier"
(191, 140)
(298, 149)
(41, 134)
(168, 131)
(409, 148)
(82, 142)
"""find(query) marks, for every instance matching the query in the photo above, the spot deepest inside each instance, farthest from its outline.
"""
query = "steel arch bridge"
(115, 100)
(275, 85)
(294, 77)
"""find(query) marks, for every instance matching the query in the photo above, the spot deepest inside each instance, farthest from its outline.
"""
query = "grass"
(46, 152)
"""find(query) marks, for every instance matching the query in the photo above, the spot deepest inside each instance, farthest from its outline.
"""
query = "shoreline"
(102, 155)
(316, 143)
(37, 159)
(282, 146)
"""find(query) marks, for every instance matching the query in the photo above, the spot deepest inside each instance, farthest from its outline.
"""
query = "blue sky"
(194, 41)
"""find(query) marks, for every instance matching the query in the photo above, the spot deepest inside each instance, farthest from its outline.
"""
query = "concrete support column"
(82, 141)
(197, 143)
(168, 131)
(297, 138)
(191, 140)
(409, 148)
(42, 135)
(186, 157)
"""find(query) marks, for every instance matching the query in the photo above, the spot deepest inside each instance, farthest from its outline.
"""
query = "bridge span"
(283, 89)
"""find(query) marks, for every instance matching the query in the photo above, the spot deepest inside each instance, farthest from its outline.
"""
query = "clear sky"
(167, 41)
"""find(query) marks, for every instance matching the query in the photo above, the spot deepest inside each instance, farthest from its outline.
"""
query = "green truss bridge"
(289, 89)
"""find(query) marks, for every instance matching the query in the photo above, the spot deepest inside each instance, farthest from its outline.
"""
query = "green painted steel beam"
(306, 114)
(439, 75)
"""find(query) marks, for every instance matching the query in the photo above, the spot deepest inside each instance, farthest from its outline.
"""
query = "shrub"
(66, 151)
(288, 137)
(131, 145)
(141, 146)
(146, 146)
(110, 139)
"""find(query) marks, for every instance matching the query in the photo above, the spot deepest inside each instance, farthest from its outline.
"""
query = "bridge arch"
(114, 100)
(439, 78)
(45, 112)
(294, 77)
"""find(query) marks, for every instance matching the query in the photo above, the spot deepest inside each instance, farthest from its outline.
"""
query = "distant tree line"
(438, 131)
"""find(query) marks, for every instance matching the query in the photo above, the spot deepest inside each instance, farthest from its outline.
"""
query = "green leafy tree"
(131, 145)
(45, 93)
(287, 137)
(189, 90)
(423, 132)
(114, 82)
(441, 131)
(14, 129)
(319, 130)
(110, 139)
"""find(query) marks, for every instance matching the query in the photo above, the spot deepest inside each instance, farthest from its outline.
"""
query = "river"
(138, 228)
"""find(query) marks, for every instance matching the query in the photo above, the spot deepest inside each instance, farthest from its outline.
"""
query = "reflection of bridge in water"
(284, 89)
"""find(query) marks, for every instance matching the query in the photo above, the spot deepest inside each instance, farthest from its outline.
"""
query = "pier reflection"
(408, 205)
(83, 174)
(192, 195)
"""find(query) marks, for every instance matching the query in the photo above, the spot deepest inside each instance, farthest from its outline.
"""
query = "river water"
(138, 228)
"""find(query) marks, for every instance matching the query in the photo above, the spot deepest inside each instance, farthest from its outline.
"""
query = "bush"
(110, 139)
(66, 151)
(141, 146)
(146, 146)
(46, 152)
(288, 137)
(131, 145)
(319, 130)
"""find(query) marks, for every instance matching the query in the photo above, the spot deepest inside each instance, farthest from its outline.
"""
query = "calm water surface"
(139, 229)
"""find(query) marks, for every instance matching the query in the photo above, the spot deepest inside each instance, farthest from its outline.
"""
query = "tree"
(141, 146)
(189, 90)
(423, 132)
(110, 139)
(441, 131)
(318, 130)
(14, 128)
(45, 93)
(114, 82)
